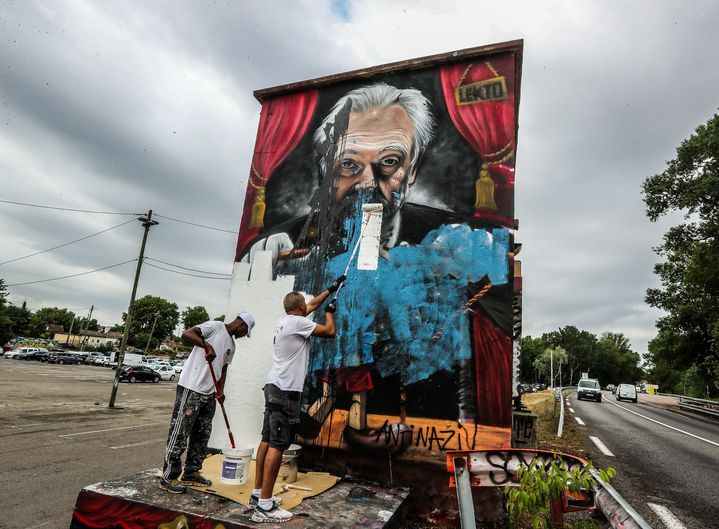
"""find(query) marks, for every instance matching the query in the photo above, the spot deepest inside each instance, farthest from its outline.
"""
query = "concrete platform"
(138, 503)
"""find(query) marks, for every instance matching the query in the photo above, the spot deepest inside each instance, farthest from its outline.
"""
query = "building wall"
(423, 359)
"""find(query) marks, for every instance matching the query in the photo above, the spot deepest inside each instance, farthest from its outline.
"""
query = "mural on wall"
(415, 168)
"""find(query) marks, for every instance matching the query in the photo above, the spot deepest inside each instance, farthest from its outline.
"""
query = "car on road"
(139, 374)
(589, 388)
(626, 391)
(612, 388)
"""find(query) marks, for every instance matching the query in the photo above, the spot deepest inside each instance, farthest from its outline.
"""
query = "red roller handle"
(222, 406)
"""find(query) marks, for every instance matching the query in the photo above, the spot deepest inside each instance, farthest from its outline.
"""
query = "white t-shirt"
(291, 352)
(196, 374)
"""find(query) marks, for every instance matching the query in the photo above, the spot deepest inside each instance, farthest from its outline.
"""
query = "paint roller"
(367, 243)
(218, 390)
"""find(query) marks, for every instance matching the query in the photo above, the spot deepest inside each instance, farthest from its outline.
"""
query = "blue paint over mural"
(408, 316)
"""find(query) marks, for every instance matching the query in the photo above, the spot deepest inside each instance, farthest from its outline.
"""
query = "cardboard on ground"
(317, 481)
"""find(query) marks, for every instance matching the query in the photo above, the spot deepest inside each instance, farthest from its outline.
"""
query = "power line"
(66, 244)
(71, 275)
(190, 269)
(68, 209)
(234, 232)
(184, 273)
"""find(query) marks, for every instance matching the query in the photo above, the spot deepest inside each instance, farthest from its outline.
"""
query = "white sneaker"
(274, 515)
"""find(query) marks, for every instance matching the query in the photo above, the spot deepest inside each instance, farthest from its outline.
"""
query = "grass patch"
(544, 405)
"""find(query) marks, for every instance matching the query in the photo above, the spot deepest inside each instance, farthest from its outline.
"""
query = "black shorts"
(282, 414)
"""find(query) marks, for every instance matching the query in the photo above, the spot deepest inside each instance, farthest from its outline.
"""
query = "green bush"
(542, 482)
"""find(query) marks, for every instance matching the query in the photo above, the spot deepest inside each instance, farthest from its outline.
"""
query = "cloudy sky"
(124, 106)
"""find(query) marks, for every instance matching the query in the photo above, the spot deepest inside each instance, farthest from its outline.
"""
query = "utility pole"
(87, 327)
(70, 332)
(147, 223)
(551, 367)
(147, 349)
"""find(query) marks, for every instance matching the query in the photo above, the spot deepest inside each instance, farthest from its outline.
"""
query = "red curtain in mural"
(480, 100)
(283, 123)
(492, 351)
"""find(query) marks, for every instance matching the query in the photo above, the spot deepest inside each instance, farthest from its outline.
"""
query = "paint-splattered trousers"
(190, 429)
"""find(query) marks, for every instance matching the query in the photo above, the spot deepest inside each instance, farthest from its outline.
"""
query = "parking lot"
(57, 435)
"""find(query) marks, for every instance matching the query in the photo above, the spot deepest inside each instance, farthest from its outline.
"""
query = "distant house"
(54, 328)
(89, 338)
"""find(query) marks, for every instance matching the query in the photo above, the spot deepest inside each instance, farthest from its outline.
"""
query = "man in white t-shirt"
(191, 422)
(283, 392)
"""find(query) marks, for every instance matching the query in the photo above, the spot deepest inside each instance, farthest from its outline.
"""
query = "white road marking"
(571, 410)
(601, 446)
(138, 444)
(111, 429)
(667, 516)
(663, 424)
(580, 421)
(20, 427)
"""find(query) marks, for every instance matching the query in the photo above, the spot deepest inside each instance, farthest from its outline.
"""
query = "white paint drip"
(663, 424)
(369, 238)
(667, 516)
(602, 447)
(580, 421)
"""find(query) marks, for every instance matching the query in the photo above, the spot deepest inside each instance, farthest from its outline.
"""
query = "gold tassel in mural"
(258, 209)
(484, 188)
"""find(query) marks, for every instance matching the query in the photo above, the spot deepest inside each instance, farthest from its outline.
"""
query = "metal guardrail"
(703, 406)
(560, 428)
(616, 510)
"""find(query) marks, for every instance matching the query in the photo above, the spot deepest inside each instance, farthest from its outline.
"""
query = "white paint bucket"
(288, 468)
(235, 465)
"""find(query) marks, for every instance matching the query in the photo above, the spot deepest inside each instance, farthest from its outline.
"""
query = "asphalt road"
(672, 466)
(57, 435)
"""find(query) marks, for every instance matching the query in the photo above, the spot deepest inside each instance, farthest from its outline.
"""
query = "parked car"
(165, 370)
(626, 391)
(138, 374)
(64, 358)
(103, 360)
(588, 388)
(40, 354)
(178, 366)
(91, 356)
(20, 352)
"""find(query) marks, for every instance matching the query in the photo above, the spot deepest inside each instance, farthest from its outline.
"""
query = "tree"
(552, 356)
(81, 323)
(19, 319)
(5, 321)
(221, 317)
(581, 347)
(688, 335)
(51, 316)
(194, 316)
(143, 317)
(532, 348)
